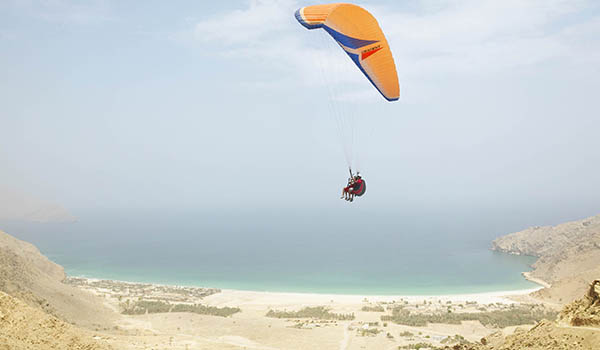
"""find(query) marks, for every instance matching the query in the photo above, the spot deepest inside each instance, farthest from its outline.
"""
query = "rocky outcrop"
(15, 205)
(28, 275)
(578, 328)
(31, 256)
(567, 333)
(585, 311)
(548, 335)
(25, 327)
(553, 243)
(568, 255)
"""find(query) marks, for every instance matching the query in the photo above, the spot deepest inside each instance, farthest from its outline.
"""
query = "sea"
(305, 251)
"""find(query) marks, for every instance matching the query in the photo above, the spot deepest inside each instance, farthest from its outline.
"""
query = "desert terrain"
(42, 308)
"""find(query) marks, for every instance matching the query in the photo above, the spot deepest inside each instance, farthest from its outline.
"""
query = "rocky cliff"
(585, 311)
(578, 328)
(568, 255)
(24, 327)
(28, 275)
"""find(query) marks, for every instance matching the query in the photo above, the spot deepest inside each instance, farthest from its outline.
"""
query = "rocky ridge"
(24, 327)
(585, 311)
(28, 275)
(578, 328)
(16, 205)
(568, 256)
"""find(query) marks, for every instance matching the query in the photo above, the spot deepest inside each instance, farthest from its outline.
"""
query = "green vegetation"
(417, 346)
(141, 307)
(153, 307)
(406, 334)
(516, 315)
(368, 332)
(206, 310)
(318, 312)
(298, 325)
(456, 339)
(376, 308)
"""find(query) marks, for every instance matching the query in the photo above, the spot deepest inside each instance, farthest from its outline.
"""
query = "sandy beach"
(282, 298)
(251, 328)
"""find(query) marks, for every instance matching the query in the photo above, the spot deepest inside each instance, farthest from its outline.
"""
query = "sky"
(198, 105)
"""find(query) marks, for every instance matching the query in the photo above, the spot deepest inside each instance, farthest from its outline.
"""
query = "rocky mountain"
(27, 274)
(15, 205)
(585, 311)
(25, 327)
(568, 256)
(548, 335)
(578, 328)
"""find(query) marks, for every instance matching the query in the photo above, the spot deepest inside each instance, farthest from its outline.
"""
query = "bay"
(340, 252)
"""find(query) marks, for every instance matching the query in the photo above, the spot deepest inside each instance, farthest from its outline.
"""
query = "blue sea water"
(289, 251)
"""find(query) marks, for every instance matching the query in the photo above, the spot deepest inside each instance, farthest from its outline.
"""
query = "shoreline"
(284, 297)
(242, 318)
(500, 296)
(536, 280)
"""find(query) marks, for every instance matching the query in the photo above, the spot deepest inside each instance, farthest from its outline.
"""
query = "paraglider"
(356, 187)
(357, 32)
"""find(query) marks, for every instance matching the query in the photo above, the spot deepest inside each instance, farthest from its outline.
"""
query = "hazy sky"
(198, 104)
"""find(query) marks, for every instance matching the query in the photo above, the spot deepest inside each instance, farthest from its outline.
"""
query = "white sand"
(230, 297)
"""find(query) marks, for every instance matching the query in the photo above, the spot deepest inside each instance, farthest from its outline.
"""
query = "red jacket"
(357, 185)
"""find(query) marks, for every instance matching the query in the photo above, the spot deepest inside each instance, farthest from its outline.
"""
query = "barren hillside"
(569, 255)
(24, 327)
(27, 274)
(578, 328)
(585, 311)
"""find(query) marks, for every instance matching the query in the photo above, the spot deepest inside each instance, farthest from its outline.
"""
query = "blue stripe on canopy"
(356, 60)
(347, 41)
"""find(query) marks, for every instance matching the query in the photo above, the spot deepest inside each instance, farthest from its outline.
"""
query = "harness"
(360, 190)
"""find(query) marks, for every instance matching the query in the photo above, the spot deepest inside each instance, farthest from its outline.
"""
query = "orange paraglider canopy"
(359, 34)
